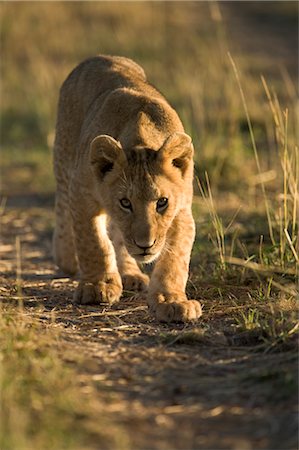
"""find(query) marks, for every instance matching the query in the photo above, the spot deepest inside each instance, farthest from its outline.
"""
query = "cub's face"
(144, 207)
(142, 190)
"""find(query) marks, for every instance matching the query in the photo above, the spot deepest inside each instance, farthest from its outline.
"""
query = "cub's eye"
(162, 204)
(125, 203)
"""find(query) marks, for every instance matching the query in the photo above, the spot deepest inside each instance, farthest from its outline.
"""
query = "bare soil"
(205, 385)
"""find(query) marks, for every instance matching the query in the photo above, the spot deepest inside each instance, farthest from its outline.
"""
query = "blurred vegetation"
(183, 48)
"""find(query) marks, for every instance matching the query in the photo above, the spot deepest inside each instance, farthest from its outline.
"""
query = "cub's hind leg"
(63, 239)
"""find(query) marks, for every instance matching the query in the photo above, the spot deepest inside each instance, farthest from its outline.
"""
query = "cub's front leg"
(100, 280)
(166, 297)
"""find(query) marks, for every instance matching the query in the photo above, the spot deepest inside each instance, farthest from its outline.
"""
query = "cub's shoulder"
(101, 66)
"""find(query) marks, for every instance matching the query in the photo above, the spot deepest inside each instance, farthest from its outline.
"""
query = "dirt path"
(183, 387)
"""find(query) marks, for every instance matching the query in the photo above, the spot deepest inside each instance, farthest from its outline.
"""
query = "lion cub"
(124, 169)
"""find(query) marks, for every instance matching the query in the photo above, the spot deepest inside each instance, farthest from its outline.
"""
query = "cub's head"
(142, 189)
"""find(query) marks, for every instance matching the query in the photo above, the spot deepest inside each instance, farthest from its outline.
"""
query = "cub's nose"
(144, 245)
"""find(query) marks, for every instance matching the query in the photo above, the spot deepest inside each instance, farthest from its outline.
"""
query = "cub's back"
(106, 95)
(99, 76)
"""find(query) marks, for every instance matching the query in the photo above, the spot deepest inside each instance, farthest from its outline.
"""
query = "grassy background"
(246, 199)
(183, 48)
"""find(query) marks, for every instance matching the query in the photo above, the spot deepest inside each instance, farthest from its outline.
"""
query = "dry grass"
(44, 402)
(117, 378)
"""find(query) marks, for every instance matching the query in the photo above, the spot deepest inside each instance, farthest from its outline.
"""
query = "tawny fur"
(118, 138)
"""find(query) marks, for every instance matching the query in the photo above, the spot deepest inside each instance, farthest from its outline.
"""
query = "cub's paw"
(135, 282)
(108, 291)
(174, 307)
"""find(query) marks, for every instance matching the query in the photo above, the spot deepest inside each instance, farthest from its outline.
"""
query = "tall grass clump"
(282, 212)
(288, 153)
(278, 261)
(276, 248)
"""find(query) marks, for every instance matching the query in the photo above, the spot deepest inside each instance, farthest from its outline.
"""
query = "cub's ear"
(105, 152)
(178, 150)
